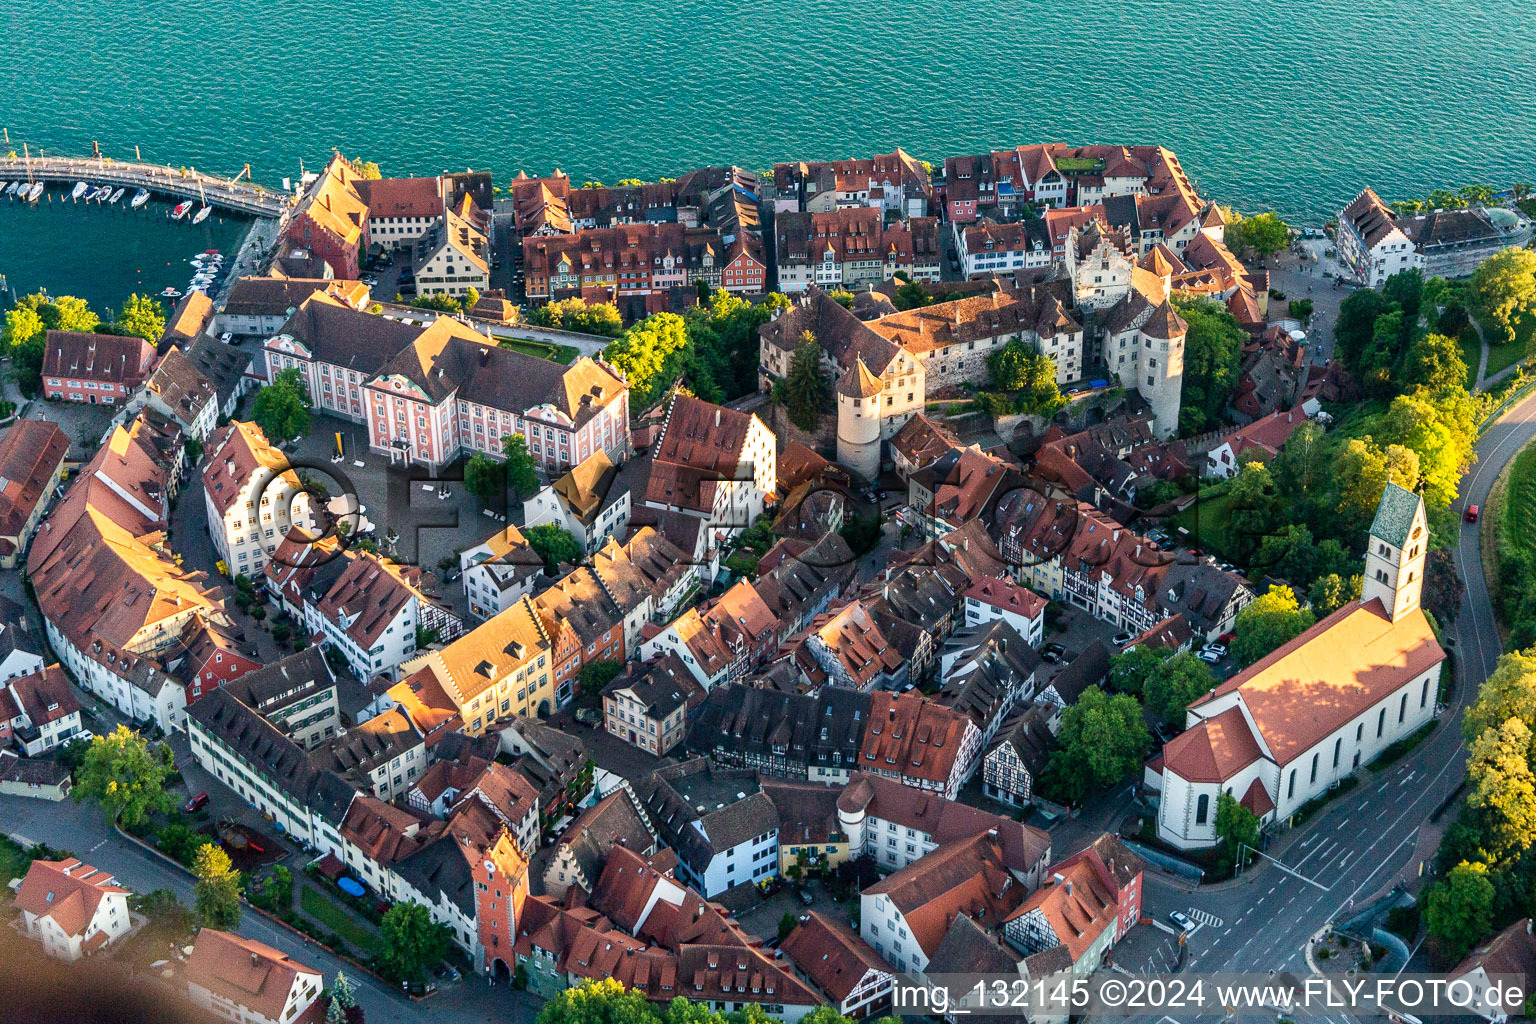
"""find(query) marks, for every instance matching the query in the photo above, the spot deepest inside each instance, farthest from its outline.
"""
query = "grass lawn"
(335, 918)
(13, 860)
(538, 349)
(1517, 525)
(1471, 354)
(1500, 356)
(1206, 521)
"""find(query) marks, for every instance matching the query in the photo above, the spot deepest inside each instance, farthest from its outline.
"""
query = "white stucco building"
(1289, 727)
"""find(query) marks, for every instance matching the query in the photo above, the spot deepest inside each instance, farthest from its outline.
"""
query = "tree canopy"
(141, 317)
(484, 477)
(1103, 740)
(643, 354)
(1504, 291)
(410, 942)
(125, 776)
(1213, 350)
(216, 896)
(282, 408)
(1263, 234)
(576, 314)
(1269, 621)
(1458, 910)
(1236, 827)
(805, 385)
(521, 468)
(554, 544)
(1176, 684)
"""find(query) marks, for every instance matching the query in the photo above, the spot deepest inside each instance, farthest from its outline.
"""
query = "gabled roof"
(962, 878)
(30, 453)
(245, 972)
(832, 955)
(65, 890)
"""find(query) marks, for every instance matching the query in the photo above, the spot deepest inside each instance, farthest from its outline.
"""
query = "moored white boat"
(170, 293)
(101, 194)
(79, 190)
(118, 194)
(181, 209)
(201, 215)
(35, 192)
(140, 198)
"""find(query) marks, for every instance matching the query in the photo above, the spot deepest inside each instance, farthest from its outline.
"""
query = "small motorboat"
(140, 198)
(170, 293)
(101, 194)
(35, 192)
(181, 209)
(2, 188)
(201, 215)
(79, 190)
(115, 196)
(14, 186)
(211, 252)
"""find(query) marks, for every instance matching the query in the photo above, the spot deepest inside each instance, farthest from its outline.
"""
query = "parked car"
(1052, 653)
(195, 804)
(1472, 513)
(1218, 649)
(1227, 567)
(1123, 638)
(1181, 919)
(806, 897)
(1209, 657)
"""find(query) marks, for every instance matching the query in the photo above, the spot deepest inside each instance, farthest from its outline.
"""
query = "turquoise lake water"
(1292, 106)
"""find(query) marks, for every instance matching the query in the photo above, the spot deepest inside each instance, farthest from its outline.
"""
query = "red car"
(195, 804)
(1472, 513)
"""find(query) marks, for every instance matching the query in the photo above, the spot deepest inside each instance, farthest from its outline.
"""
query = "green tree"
(278, 889)
(554, 544)
(1270, 620)
(1405, 290)
(521, 469)
(1362, 470)
(335, 1013)
(787, 923)
(1236, 827)
(805, 385)
(180, 843)
(342, 992)
(576, 314)
(911, 296)
(1434, 363)
(1130, 670)
(1504, 290)
(1176, 684)
(1356, 326)
(1331, 592)
(282, 408)
(644, 354)
(604, 1001)
(141, 317)
(1213, 350)
(595, 675)
(1009, 366)
(841, 297)
(1503, 787)
(365, 169)
(410, 942)
(484, 477)
(1508, 693)
(1103, 740)
(1263, 235)
(26, 341)
(216, 896)
(471, 297)
(1441, 429)
(1458, 910)
(125, 776)
(439, 302)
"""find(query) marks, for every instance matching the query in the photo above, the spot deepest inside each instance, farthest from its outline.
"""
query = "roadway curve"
(1369, 839)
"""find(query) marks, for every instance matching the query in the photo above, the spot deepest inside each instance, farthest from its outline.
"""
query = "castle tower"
(1394, 558)
(858, 420)
(1160, 366)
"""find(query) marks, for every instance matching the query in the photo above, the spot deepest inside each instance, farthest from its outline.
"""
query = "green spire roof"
(1394, 516)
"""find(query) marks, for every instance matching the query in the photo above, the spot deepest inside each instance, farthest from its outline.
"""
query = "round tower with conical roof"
(858, 420)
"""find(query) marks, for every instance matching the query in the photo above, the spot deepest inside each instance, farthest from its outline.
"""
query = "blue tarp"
(351, 886)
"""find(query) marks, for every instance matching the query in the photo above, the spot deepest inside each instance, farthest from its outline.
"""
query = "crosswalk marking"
(1203, 918)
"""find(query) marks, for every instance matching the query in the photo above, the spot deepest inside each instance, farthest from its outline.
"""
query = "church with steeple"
(1291, 726)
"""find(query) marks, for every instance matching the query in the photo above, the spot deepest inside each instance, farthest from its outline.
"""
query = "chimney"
(717, 415)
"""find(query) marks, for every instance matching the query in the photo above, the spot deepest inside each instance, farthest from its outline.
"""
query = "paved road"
(1371, 838)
